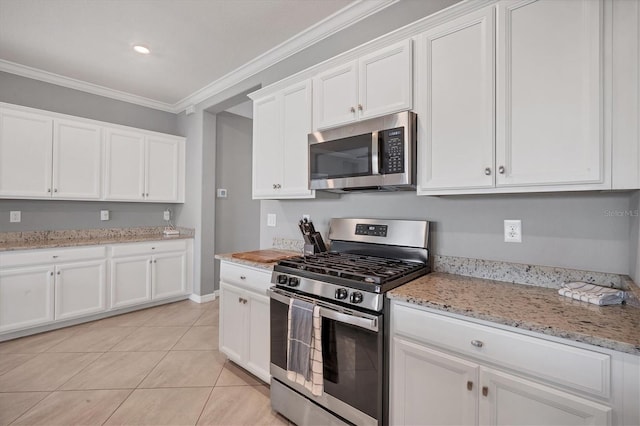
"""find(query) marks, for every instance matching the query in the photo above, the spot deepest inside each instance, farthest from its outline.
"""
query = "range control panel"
(392, 150)
(371, 230)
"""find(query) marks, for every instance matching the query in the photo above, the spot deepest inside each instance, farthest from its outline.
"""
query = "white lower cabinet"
(436, 380)
(148, 271)
(244, 318)
(80, 288)
(26, 297)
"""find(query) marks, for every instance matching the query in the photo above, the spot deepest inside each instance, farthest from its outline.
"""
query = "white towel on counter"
(306, 372)
(592, 293)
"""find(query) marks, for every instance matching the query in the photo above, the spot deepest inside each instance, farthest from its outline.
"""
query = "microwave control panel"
(392, 150)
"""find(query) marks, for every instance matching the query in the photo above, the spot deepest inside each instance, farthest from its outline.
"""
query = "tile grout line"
(151, 371)
(79, 371)
(118, 407)
(205, 403)
(30, 408)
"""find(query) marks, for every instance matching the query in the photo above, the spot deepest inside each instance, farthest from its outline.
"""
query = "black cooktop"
(362, 269)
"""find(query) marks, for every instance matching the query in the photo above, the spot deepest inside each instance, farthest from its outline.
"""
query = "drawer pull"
(477, 343)
(55, 257)
(485, 391)
(242, 277)
(469, 385)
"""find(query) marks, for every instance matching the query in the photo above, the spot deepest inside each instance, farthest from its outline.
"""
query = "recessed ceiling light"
(141, 49)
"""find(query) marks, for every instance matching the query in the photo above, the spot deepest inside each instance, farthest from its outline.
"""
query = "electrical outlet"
(512, 231)
(104, 214)
(271, 220)
(15, 216)
(167, 215)
(221, 193)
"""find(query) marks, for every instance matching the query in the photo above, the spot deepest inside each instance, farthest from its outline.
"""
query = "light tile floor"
(158, 366)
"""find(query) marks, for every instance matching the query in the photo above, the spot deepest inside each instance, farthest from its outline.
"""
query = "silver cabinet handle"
(242, 277)
(352, 109)
(146, 195)
(143, 195)
(151, 261)
(155, 261)
(49, 190)
(360, 107)
(58, 272)
(485, 391)
(477, 343)
(469, 385)
(487, 171)
(55, 190)
(55, 256)
(501, 170)
(278, 186)
(51, 273)
(274, 186)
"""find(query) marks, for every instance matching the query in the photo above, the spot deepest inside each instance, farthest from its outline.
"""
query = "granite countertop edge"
(579, 311)
(77, 242)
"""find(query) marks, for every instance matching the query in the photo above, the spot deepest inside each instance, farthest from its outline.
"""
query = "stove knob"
(294, 282)
(356, 297)
(341, 293)
(283, 279)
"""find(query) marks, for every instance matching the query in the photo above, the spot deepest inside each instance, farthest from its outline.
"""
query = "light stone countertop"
(11, 241)
(260, 265)
(527, 307)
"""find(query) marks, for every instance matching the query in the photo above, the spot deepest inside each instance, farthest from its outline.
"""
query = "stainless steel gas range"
(368, 257)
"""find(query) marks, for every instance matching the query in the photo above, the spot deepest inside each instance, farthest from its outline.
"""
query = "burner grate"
(368, 269)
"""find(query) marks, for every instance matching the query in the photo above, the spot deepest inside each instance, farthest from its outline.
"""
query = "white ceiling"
(195, 44)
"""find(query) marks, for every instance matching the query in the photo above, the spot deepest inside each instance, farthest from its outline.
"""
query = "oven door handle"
(358, 321)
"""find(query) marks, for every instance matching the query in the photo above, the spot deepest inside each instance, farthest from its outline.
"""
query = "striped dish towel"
(592, 293)
(312, 366)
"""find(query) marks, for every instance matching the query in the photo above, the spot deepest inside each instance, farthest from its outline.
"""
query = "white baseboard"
(205, 297)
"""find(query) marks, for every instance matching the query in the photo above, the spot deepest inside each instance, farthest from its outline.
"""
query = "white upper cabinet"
(540, 127)
(25, 154)
(549, 93)
(455, 63)
(376, 84)
(143, 167)
(50, 155)
(77, 160)
(281, 124)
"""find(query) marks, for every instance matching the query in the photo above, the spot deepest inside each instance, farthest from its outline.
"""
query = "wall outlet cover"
(222, 193)
(512, 231)
(271, 220)
(15, 216)
(104, 214)
(167, 215)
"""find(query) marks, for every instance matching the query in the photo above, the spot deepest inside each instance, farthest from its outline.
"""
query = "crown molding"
(345, 17)
(72, 83)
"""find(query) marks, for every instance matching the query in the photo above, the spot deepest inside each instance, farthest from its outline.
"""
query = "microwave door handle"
(375, 169)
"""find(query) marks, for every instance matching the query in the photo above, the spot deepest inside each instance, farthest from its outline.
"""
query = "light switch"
(15, 216)
(104, 214)
(271, 220)
(222, 193)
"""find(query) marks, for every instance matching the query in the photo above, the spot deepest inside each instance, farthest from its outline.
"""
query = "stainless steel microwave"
(376, 154)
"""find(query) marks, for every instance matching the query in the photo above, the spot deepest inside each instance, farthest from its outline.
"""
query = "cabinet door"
(26, 297)
(80, 289)
(456, 99)
(162, 166)
(169, 275)
(125, 165)
(77, 160)
(267, 147)
(130, 280)
(258, 356)
(511, 400)
(232, 322)
(296, 125)
(430, 387)
(549, 93)
(385, 81)
(25, 154)
(335, 96)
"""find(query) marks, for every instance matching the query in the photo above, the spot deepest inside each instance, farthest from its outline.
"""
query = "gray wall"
(18, 90)
(237, 217)
(571, 230)
(45, 214)
(49, 214)
(209, 154)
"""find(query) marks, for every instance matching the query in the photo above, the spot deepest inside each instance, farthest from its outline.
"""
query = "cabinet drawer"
(565, 365)
(132, 249)
(35, 257)
(245, 276)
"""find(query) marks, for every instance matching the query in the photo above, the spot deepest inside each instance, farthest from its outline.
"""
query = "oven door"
(353, 358)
